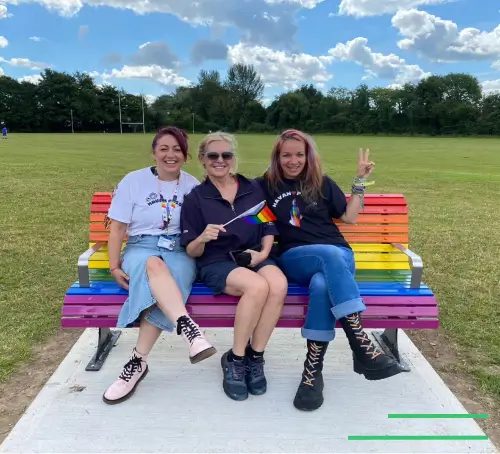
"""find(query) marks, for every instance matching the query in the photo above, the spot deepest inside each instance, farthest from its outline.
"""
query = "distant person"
(313, 253)
(234, 260)
(4, 132)
(155, 268)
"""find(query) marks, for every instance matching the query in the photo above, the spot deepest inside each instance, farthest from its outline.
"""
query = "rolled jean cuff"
(348, 308)
(318, 335)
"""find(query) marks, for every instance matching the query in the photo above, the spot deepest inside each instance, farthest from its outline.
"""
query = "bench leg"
(388, 340)
(107, 340)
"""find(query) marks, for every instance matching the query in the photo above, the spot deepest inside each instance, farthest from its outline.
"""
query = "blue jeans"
(328, 271)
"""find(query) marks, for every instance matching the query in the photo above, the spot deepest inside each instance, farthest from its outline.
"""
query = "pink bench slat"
(110, 322)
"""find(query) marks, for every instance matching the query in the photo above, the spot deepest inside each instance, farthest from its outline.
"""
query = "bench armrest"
(83, 264)
(416, 265)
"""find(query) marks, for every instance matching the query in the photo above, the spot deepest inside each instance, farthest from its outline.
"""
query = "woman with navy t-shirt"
(154, 267)
(313, 253)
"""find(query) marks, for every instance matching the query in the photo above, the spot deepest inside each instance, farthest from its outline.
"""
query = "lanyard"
(166, 212)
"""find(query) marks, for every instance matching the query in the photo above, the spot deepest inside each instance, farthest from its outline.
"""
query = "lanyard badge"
(167, 212)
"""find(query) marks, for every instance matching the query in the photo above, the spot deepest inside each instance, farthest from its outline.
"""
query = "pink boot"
(123, 388)
(199, 347)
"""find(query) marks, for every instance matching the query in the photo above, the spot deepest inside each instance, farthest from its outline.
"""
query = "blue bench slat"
(366, 288)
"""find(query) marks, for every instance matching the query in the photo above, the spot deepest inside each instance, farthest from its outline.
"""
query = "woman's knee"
(277, 281)
(249, 283)
(155, 266)
(318, 284)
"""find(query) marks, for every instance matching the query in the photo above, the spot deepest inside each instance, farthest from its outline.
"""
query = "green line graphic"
(417, 437)
(439, 415)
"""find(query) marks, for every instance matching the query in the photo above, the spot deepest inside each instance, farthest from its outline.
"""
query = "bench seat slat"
(229, 310)
(119, 300)
(381, 323)
(365, 291)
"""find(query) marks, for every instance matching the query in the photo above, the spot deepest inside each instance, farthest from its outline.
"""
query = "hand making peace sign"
(365, 166)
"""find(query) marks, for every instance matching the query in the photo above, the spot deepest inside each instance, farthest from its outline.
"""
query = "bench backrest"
(383, 221)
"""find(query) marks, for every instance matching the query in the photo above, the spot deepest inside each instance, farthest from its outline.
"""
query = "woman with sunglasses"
(234, 260)
(313, 253)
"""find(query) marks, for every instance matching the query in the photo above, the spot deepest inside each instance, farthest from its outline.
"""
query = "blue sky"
(160, 44)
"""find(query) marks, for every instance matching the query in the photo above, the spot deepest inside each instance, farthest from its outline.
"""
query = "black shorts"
(214, 275)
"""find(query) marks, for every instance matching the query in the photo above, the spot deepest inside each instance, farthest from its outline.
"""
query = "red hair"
(177, 134)
(311, 177)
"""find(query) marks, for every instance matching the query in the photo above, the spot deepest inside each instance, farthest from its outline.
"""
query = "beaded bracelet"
(359, 187)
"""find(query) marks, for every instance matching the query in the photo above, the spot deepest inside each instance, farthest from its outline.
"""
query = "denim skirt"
(136, 253)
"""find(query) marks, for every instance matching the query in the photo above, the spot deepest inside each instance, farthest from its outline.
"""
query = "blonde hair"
(216, 137)
(311, 178)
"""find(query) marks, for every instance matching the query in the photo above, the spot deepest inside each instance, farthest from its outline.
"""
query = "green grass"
(451, 185)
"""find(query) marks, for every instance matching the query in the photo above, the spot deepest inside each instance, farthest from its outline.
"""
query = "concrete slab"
(181, 407)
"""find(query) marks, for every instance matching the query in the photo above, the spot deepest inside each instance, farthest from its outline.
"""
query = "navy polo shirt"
(204, 205)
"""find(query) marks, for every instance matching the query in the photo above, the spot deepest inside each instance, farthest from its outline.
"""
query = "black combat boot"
(368, 359)
(309, 396)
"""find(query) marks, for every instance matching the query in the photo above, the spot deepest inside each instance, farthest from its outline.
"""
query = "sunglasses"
(226, 155)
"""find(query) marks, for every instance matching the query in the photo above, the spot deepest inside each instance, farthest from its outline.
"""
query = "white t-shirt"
(136, 202)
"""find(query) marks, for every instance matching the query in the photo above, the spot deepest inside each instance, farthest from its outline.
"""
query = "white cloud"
(390, 66)
(441, 40)
(490, 86)
(25, 63)
(36, 39)
(160, 75)
(263, 22)
(3, 41)
(34, 79)
(281, 68)
(308, 4)
(496, 65)
(361, 8)
(1, 72)
(3, 12)
(150, 99)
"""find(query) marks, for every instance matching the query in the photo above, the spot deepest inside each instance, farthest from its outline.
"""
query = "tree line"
(452, 104)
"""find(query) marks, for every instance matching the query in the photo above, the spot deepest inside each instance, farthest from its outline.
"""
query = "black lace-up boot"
(368, 359)
(309, 396)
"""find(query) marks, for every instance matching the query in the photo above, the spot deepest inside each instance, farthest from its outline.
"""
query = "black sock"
(251, 353)
(232, 357)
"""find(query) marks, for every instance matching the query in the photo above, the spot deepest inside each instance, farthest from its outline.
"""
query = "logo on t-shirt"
(284, 196)
(295, 215)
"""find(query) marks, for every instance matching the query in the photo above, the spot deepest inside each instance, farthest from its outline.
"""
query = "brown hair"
(178, 134)
(311, 177)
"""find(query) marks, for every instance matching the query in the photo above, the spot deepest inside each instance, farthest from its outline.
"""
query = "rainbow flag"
(259, 215)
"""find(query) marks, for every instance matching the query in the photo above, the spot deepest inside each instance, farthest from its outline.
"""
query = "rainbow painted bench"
(388, 273)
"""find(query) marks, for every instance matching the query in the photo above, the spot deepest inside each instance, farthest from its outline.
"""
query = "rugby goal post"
(129, 123)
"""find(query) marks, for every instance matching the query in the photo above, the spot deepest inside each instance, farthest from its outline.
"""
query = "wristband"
(113, 269)
(358, 188)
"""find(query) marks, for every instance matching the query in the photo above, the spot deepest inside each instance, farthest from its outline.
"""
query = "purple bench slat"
(224, 299)
(110, 322)
(227, 310)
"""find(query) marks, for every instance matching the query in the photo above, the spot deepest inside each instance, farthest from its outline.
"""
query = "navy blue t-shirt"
(301, 224)
(204, 205)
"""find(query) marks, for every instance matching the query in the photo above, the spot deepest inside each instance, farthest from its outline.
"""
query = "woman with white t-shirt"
(154, 267)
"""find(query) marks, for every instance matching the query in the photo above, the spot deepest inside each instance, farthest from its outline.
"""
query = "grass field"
(46, 182)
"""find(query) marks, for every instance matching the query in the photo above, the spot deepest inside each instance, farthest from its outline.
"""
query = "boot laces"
(189, 328)
(360, 334)
(312, 360)
(133, 365)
